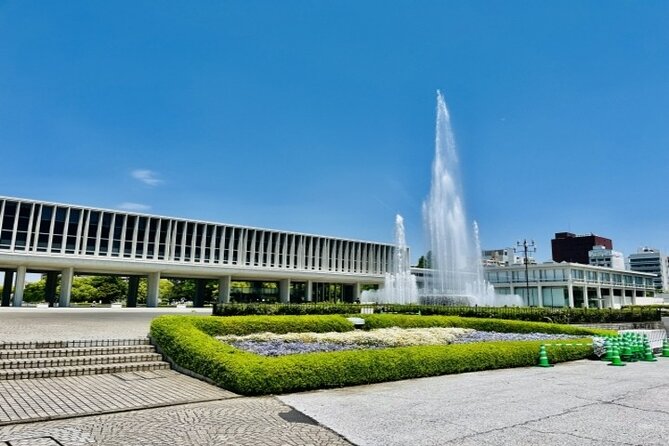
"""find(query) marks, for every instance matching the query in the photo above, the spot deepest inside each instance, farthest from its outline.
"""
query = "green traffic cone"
(625, 352)
(648, 353)
(543, 357)
(615, 360)
(665, 349)
(636, 350)
(608, 349)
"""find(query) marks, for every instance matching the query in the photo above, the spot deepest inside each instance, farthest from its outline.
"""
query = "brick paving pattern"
(39, 399)
(238, 421)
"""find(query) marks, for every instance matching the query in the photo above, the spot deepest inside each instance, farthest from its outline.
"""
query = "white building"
(60, 239)
(607, 258)
(572, 285)
(651, 260)
(498, 257)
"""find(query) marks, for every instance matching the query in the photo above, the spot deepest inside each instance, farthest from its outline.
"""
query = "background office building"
(651, 260)
(608, 258)
(573, 285)
(568, 247)
(501, 257)
(61, 240)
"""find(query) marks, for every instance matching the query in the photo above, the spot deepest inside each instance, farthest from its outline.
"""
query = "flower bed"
(271, 344)
(189, 341)
(383, 337)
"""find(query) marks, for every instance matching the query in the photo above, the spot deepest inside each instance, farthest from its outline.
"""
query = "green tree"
(425, 261)
(182, 289)
(84, 291)
(110, 288)
(164, 288)
(35, 291)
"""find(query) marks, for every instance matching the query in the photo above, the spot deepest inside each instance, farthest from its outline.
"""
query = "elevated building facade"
(572, 285)
(63, 239)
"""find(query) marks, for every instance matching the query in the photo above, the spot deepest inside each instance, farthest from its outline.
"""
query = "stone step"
(53, 372)
(75, 351)
(80, 343)
(67, 361)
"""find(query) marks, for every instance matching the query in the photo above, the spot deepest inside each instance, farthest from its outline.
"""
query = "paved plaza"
(238, 421)
(51, 324)
(578, 403)
(24, 400)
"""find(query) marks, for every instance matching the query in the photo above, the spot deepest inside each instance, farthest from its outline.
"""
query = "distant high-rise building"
(651, 260)
(568, 247)
(608, 258)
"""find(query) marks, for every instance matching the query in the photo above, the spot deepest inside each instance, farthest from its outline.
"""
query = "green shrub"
(188, 341)
(556, 315)
(242, 325)
(373, 321)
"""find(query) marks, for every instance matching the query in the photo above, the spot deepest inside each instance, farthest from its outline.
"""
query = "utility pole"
(526, 248)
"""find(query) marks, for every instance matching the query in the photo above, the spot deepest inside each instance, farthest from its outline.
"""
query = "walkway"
(140, 408)
(578, 403)
(51, 324)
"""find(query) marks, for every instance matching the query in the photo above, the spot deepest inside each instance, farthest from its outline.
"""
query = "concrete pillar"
(586, 303)
(50, 287)
(153, 289)
(7, 288)
(570, 295)
(599, 297)
(284, 291)
(66, 277)
(133, 291)
(309, 295)
(356, 292)
(200, 288)
(224, 289)
(20, 286)
(540, 297)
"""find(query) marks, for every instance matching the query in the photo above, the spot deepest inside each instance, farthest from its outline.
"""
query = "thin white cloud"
(147, 177)
(128, 206)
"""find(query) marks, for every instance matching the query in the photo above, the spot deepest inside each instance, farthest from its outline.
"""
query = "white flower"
(383, 337)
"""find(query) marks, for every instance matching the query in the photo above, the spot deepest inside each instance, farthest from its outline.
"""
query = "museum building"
(63, 240)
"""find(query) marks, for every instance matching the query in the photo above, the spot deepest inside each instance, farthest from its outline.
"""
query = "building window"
(555, 297)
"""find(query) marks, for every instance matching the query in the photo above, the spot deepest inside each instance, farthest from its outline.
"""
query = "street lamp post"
(526, 248)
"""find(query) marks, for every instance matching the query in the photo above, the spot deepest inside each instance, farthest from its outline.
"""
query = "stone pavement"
(140, 408)
(25, 400)
(578, 403)
(52, 324)
(237, 421)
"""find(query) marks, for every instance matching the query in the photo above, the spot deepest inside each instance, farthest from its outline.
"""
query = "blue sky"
(319, 116)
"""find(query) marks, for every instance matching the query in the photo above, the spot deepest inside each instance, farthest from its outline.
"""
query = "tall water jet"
(457, 274)
(399, 286)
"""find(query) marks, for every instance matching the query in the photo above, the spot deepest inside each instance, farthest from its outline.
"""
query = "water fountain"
(456, 273)
(399, 286)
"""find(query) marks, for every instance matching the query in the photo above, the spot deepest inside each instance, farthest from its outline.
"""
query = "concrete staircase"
(48, 359)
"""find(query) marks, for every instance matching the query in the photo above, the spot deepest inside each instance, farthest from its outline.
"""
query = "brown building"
(568, 247)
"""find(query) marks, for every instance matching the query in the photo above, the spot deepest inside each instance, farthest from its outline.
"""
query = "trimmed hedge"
(556, 315)
(243, 325)
(189, 342)
(373, 321)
